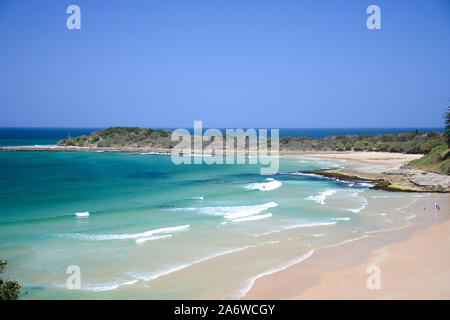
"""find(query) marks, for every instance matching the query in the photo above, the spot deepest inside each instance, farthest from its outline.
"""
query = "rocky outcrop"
(392, 178)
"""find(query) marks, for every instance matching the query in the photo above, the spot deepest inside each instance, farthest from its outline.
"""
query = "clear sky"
(233, 63)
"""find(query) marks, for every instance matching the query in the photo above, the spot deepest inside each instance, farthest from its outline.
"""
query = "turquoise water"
(147, 228)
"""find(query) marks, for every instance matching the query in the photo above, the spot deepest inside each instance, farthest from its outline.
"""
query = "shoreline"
(403, 255)
(389, 170)
(374, 157)
(354, 156)
(295, 282)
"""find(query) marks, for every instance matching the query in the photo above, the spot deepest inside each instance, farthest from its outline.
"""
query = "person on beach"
(436, 207)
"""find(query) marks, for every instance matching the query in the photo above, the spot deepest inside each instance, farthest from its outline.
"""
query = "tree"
(340, 146)
(447, 126)
(9, 290)
(359, 145)
(348, 146)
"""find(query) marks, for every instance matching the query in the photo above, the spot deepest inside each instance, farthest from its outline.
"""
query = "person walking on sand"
(436, 207)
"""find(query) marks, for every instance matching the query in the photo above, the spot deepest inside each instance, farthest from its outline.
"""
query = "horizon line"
(222, 127)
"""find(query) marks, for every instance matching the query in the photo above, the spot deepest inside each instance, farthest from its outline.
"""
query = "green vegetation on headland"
(433, 144)
(410, 142)
(437, 160)
(122, 137)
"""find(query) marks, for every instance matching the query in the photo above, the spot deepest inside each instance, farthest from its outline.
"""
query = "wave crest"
(145, 234)
(320, 198)
(265, 186)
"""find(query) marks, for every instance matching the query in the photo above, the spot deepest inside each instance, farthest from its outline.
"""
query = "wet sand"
(414, 263)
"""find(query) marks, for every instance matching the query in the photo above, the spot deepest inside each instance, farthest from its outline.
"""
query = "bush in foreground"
(9, 290)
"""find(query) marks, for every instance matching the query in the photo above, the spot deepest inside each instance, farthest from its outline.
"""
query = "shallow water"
(139, 226)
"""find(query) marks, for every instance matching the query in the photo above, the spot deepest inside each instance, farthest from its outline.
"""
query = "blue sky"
(234, 63)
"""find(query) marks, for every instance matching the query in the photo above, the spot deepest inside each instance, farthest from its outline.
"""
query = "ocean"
(138, 226)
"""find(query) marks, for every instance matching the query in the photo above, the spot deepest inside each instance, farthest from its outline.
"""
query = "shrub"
(104, 143)
(412, 146)
(348, 146)
(70, 142)
(396, 146)
(380, 146)
(340, 146)
(430, 145)
(359, 145)
(9, 290)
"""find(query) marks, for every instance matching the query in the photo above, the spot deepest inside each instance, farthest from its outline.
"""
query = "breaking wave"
(265, 186)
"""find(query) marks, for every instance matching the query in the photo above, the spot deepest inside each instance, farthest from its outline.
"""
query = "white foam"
(384, 196)
(362, 207)
(388, 230)
(233, 212)
(106, 286)
(305, 225)
(198, 198)
(82, 214)
(283, 266)
(153, 276)
(253, 218)
(342, 219)
(126, 235)
(144, 239)
(303, 174)
(158, 153)
(269, 242)
(320, 198)
(265, 186)
(412, 216)
(345, 241)
(366, 184)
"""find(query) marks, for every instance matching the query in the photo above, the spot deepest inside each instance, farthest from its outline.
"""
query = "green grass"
(437, 160)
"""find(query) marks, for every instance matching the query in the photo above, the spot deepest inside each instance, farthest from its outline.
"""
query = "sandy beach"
(418, 268)
(359, 156)
(414, 263)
